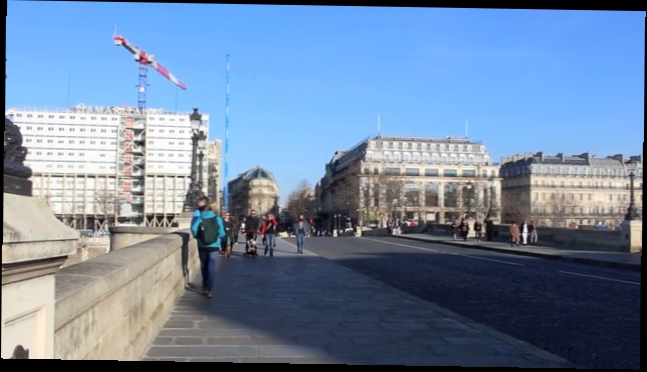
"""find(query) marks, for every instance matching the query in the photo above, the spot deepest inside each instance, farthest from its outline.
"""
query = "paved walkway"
(304, 309)
(630, 261)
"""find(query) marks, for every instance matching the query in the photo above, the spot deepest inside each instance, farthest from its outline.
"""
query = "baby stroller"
(250, 246)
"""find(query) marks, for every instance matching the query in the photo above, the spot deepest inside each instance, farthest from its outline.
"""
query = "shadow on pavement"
(304, 309)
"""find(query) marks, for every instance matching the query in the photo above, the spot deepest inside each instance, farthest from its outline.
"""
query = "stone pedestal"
(34, 246)
(125, 236)
(631, 236)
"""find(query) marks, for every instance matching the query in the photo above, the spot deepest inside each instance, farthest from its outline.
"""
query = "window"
(431, 195)
(392, 171)
(412, 172)
(431, 172)
(468, 173)
(450, 199)
(450, 173)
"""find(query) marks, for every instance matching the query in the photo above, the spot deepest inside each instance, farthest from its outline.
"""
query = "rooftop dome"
(258, 173)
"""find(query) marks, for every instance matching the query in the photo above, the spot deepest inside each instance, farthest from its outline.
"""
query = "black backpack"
(209, 230)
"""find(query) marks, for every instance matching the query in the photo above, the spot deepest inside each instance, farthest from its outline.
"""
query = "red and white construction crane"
(145, 60)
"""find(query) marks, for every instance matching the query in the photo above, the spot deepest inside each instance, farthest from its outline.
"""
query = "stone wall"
(89, 248)
(110, 307)
(562, 238)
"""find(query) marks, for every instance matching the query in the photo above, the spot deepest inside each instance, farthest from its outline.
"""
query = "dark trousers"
(208, 257)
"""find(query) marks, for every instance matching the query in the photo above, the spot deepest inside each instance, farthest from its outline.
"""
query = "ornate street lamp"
(195, 191)
(632, 212)
(469, 198)
(202, 147)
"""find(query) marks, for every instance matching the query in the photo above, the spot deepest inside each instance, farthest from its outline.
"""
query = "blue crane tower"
(226, 180)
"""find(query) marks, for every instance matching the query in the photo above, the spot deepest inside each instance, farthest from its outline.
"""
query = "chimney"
(637, 158)
(561, 156)
(540, 155)
(618, 157)
(585, 155)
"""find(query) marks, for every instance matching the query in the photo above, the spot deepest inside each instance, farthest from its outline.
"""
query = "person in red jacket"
(268, 231)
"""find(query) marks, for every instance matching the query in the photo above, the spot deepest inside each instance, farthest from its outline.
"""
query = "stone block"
(34, 246)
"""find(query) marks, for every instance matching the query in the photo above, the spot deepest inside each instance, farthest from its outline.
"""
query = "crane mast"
(131, 174)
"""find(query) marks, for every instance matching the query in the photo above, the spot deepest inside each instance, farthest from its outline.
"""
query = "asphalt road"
(586, 314)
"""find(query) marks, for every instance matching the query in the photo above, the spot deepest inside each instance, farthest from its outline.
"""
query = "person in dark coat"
(478, 230)
(464, 228)
(489, 229)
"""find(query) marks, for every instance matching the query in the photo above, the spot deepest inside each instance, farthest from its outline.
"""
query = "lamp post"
(469, 199)
(194, 190)
(632, 212)
(202, 145)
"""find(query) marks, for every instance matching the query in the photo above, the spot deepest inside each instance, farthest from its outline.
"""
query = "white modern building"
(97, 166)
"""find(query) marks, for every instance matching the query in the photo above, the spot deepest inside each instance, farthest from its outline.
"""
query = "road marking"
(403, 245)
(599, 277)
(451, 253)
(488, 259)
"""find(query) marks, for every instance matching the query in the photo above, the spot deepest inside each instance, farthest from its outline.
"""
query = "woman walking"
(208, 229)
(514, 234)
(228, 240)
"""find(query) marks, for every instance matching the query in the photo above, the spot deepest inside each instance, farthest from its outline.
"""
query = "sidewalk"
(304, 309)
(631, 261)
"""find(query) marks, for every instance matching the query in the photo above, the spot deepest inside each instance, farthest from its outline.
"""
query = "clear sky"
(306, 80)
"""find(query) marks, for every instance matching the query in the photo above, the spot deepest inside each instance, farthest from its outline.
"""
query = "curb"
(553, 360)
(590, 261)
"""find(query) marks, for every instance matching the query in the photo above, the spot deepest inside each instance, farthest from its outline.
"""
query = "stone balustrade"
(627, 240)
(562, 238)
(110, 307)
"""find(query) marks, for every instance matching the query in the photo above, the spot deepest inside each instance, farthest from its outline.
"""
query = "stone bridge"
(111, 307)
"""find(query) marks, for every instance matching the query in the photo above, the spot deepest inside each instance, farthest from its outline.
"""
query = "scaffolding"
(131, 168)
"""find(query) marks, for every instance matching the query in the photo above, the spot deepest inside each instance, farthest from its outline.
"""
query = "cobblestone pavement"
(304, 309)
(587, 314)
(632, 261)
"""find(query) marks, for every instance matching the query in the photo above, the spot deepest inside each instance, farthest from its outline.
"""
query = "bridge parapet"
(110, 307)
(561, 238)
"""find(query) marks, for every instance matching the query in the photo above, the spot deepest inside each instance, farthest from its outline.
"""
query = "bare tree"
(300, 201)
(513, 212)
(560, 208)
(367, 205)
(109, 204)
(393, 191)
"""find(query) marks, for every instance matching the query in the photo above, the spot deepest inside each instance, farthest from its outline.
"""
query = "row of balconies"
(505, 186)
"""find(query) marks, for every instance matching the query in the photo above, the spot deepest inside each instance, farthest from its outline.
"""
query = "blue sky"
(306, 81)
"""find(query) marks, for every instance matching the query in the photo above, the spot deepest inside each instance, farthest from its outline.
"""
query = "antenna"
(176, 89)
(114, 32)
(69, 86)
(378, 125)
(226, 186)
(467, 134)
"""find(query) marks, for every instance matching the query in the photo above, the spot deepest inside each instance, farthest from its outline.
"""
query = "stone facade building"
(565, 191)
(422, 179)
(255, 189)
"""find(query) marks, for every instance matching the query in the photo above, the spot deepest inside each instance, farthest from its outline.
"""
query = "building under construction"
(100, 166)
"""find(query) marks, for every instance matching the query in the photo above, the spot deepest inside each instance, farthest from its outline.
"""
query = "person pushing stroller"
(252, 226)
